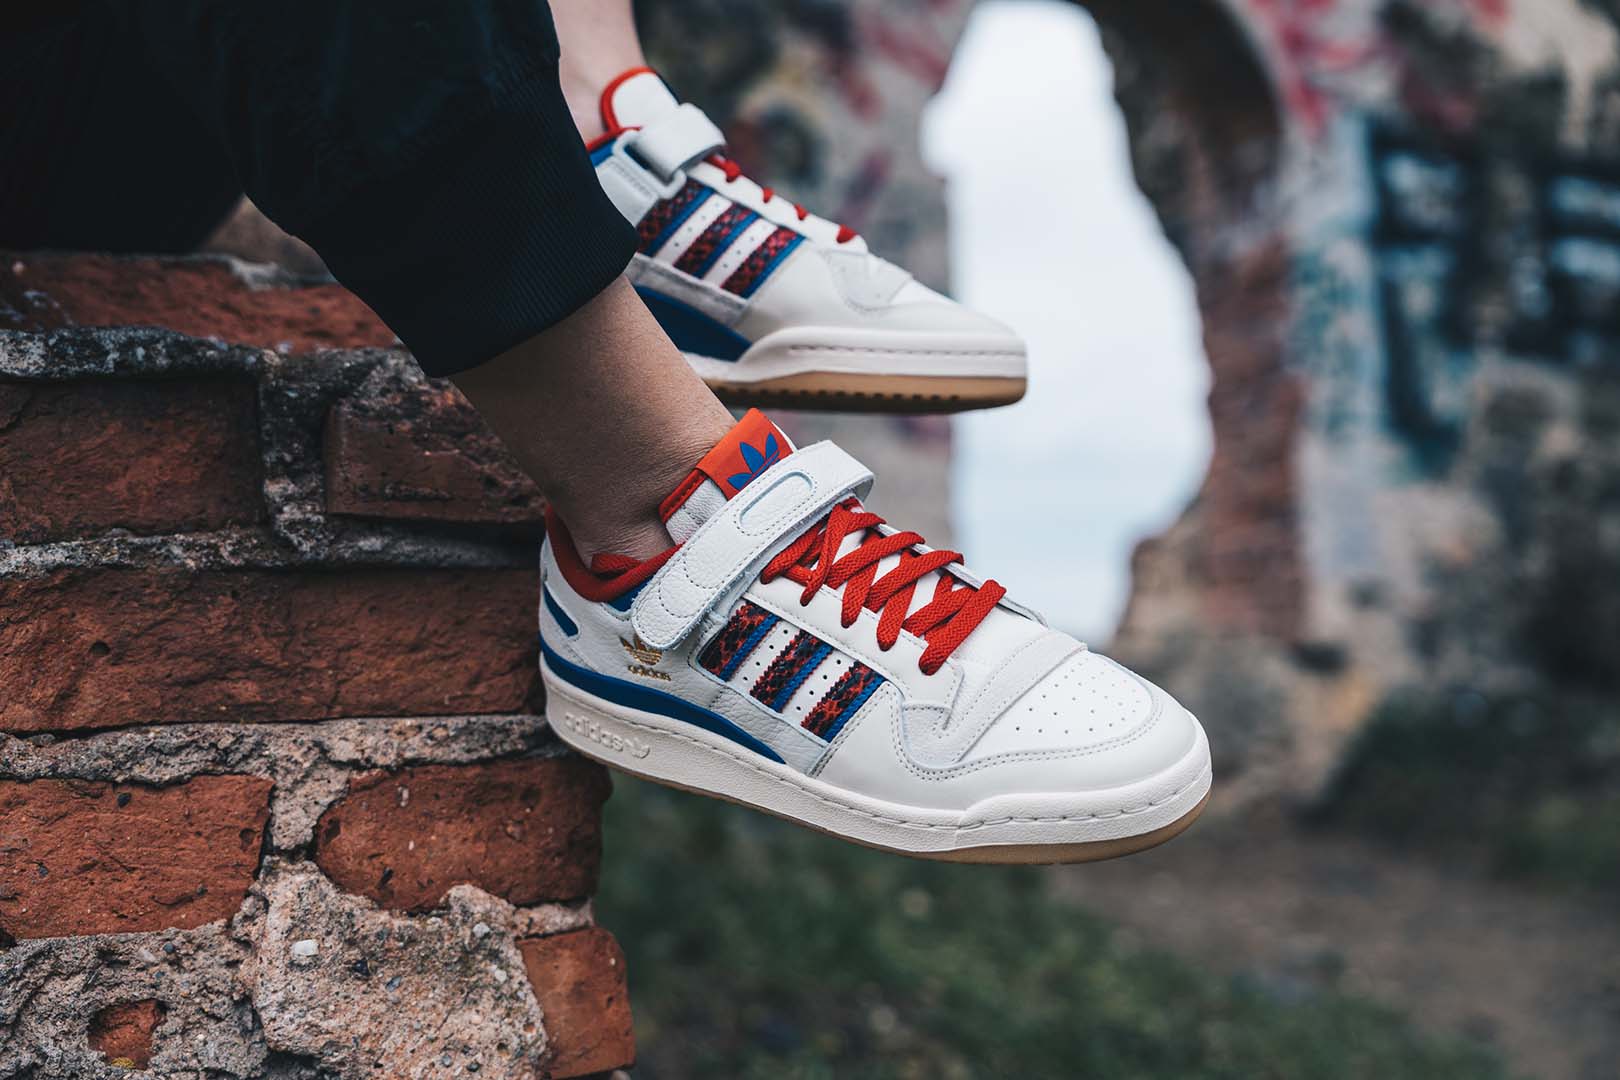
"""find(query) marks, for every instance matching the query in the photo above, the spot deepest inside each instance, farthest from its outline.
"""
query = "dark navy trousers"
(422, 147)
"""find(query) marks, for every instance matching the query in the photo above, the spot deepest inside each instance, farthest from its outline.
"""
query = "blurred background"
(1323, 434)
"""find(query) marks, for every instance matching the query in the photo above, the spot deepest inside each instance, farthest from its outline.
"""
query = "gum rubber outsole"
(1053, 854)
(984, 855)
(847, 392)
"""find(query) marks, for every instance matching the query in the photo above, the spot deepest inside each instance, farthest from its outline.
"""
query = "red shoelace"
(944, 622)
(733, 170)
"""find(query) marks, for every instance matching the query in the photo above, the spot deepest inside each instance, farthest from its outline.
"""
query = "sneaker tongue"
(749, 448)
(636, 99)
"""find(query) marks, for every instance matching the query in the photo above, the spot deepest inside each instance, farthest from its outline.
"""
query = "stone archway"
(1224, 586)
(1401, 222)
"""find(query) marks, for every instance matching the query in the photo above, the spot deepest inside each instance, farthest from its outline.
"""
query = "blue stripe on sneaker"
(749, 645)
(850, 710)
(691, 330)
(569, 626)
(771, 266)
(810, 663)
(647, 699)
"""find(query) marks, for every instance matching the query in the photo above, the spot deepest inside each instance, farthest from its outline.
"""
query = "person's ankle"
(625, 520)
(584, 80)
(583, 96)
(638, 539)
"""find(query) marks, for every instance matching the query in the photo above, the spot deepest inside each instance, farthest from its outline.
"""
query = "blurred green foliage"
(760, 949)
(1529, 783)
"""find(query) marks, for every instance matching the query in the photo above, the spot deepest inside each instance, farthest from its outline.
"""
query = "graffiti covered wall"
(1409, 268)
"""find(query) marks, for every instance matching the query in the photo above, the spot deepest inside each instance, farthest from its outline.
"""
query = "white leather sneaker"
(795, 654)
(770, 303)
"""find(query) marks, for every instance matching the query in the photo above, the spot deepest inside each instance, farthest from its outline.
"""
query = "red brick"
(526, 830)
(78, 459)
(423, 455)
(83, 857)
(579, 980)
(108, 648)
(123, 1033)
(200, 297)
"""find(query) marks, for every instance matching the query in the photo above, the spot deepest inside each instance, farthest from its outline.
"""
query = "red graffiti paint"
(1312, 42)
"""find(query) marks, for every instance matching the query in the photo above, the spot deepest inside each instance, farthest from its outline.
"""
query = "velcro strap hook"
(674, 141)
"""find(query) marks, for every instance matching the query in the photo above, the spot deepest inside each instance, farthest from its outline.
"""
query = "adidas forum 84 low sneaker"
(795, 654)
(770, 303)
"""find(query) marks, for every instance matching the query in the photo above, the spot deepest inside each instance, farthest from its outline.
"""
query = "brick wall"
(274, 797)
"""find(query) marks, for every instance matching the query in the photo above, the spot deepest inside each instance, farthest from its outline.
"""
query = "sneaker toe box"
(817, 288)
(1096, 724)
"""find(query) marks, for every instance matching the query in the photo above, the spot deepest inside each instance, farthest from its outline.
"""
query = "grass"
(1528, 784)
(759, 949)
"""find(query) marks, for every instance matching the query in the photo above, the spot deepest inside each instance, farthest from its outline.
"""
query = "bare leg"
(605, 414)
(601, 409)
(599, 41)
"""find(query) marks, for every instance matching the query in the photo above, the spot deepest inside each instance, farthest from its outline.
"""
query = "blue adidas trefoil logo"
(756, 462)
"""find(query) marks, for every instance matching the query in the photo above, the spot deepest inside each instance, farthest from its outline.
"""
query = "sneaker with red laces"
(796, 654)
(770, 303)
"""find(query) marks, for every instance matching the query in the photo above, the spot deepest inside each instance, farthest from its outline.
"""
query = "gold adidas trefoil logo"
(646, 658)
(642, 651)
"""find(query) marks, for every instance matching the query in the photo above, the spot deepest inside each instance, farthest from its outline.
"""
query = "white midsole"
(661, 748)
(805, 350)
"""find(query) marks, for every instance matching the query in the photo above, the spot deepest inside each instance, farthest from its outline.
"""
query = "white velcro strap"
(648, 165)
(632, 188)
(776, 506)
(673, 141)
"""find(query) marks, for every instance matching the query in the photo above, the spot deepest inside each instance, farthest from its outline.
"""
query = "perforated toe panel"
(1085, 701)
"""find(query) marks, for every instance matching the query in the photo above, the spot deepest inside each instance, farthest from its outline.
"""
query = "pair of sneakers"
(792, 651)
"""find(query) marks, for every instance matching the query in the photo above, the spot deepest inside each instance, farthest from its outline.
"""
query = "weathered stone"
(81, 458)
(86, 857)
(203, 296)
(85, 649)
(123, 1033)
(295, 395)
(310, 764)
(525, 830)
(414, 449)
(579, 979)
(51, 988)
(388, 995)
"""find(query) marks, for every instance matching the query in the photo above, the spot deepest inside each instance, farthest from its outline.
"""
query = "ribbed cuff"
(481, 245)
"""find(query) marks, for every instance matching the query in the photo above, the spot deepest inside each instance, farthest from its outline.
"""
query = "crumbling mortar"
(220, 983)
(65, 981)
(296, 395)
(462, 961)
(308, 763)
(121, 352)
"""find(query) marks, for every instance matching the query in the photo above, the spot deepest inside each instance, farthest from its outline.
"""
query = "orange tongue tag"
(750, 448)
